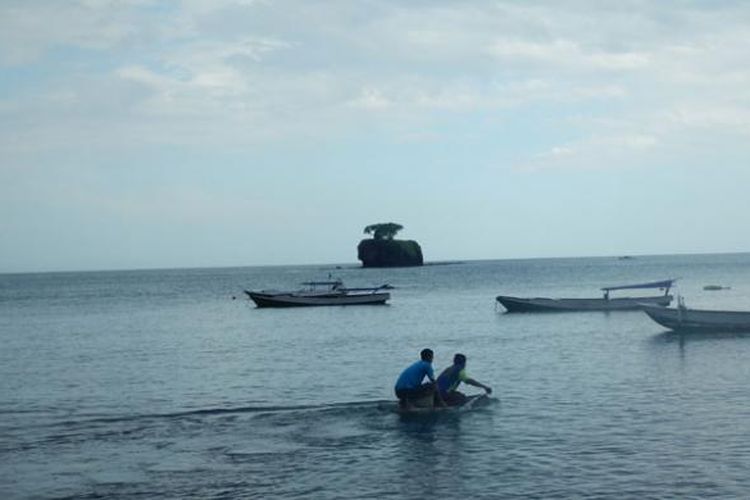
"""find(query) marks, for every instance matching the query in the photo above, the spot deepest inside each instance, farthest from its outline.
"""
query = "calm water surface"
(157, 383)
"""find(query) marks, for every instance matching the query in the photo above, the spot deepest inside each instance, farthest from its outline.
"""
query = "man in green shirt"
(451, 378)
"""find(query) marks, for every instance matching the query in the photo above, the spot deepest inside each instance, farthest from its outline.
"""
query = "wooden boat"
(682, 318)
(428, 408)
(321, 293)
(604, 303)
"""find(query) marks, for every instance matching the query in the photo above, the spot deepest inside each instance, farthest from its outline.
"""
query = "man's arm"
(438, 397)
(476, 383)
(430, 374)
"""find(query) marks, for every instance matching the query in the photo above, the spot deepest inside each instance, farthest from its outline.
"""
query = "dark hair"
(459, 359)
(426, 354)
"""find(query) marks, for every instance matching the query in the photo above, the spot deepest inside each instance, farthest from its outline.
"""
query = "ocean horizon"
(358, 265)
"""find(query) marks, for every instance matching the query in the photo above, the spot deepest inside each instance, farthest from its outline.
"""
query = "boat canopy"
(654, 284)
(339, 285)
(369, 288)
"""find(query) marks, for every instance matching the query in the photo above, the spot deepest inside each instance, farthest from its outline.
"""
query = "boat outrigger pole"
(664, 284)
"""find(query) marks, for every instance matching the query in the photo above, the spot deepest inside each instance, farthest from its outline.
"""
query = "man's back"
(451, 378)
(413, 375)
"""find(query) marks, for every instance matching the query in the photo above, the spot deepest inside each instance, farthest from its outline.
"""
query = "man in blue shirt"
(409, 386)
(451, 378)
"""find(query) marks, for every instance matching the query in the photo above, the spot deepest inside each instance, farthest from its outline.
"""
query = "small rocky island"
(382, 250)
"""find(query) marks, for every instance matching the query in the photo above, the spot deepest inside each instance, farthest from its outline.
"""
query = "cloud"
(28, 30)
(712, 118)
(371, 99)
(598, 152)
(566, 53)
(145, 71)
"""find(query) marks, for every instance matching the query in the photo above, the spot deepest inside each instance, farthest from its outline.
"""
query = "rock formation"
(389, 253)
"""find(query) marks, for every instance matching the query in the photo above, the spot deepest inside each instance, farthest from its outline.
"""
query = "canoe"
(541, 304)
(699, 320)
(286, 299)
(604, 303)
(474, 401)
(320, 293)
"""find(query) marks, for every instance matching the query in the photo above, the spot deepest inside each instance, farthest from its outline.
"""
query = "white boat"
(321, 293)
(604, 303)
(682, 318)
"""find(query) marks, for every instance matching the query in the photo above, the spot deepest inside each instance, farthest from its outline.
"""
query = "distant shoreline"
(353, 265)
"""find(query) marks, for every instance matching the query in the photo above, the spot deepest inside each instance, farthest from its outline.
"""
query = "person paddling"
(451, 378)
(409, 386)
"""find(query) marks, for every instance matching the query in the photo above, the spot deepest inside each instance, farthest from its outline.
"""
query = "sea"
(171, 384)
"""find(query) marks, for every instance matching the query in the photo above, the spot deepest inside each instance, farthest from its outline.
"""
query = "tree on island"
(383, 230)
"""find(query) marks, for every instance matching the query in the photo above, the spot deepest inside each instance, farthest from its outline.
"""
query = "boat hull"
(427, 408)
(542, 304)
(296, 300)
(697, 320)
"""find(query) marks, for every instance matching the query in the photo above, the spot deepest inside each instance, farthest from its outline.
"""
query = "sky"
(143, 134)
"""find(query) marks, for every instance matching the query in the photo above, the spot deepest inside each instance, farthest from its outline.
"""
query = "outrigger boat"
(605, 303)
(321, 293)
(682, 318)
